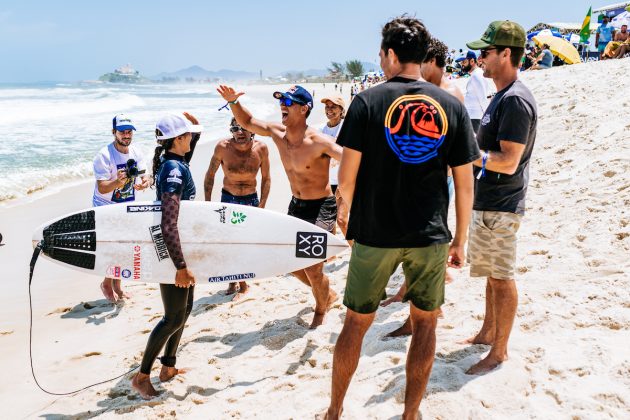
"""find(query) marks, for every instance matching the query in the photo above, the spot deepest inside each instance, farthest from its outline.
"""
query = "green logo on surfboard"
(238, 218)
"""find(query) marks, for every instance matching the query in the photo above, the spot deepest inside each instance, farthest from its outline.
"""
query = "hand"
(191, 118)
(143, 185)
(262, 204)
(121, 178)
(456, 256)
(228, 93)
(184, 278)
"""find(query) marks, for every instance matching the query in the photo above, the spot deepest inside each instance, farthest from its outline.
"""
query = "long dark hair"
(163, 146)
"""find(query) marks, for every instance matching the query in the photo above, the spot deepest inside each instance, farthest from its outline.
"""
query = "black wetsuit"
(173, 183)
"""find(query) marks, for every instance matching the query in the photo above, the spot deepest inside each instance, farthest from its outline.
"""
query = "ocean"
(52, 131)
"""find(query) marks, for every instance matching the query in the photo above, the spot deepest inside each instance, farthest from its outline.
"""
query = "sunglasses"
(484, 53)
(236, 128)
(288, 102)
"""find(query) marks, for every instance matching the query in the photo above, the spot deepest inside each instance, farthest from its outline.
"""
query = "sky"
(71, 40)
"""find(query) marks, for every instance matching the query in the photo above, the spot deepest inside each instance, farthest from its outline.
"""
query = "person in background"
(335, 109)
(605, 33)
(477, 91)
(241, 158)
(544, 60)
(116, 169)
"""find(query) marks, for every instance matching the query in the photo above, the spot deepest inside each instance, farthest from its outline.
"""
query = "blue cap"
(296, 94)
(470, 55)
(121, 122)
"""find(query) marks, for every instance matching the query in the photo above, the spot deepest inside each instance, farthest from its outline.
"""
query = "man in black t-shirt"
(506, 138)
(398, 139)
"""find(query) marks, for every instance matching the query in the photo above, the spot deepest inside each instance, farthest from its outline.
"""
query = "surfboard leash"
(38, 249)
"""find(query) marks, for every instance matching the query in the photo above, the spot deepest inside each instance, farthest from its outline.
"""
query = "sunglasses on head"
(236, 128)
(288, 102)
(484, 53)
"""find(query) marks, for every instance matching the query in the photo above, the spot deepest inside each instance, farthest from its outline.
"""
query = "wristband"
(484, 159)
(234, 102)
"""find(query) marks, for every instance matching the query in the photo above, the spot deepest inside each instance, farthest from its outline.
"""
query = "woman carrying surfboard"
(176, 137)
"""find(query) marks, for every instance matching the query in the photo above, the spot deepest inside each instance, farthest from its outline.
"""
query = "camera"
(131, 169)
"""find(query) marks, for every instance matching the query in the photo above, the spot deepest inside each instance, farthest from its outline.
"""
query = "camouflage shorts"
(492, 244)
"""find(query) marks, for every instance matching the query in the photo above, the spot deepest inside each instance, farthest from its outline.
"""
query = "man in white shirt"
(477, 92)
(335, 109)
(116, 167)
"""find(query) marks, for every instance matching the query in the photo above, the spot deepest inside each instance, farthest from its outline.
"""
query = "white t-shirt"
(333, 174)
(476, 99)
(107, 162)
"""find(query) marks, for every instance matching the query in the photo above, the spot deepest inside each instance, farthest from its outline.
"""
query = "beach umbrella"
(544, 32)
(559, 47)
(621, 19)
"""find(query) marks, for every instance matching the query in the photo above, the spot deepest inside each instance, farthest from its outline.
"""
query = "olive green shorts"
(370, 270)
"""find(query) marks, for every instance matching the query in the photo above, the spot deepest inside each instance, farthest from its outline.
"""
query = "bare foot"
(108, 291)
(121, 294)
(232, 288)
(329, 415)
(403, 331)
(167, 373)
(242, 290)
(318, 319)
(332, 298)
(393, 299)
(486, 365)
(142, 383)
(448, 277)
(481, 338)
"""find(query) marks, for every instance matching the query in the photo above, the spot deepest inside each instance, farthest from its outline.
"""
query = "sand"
(256, 358)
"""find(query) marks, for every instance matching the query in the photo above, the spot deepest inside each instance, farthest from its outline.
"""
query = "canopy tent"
(563, 27)
(621, 19)
(560, 47)
(612, 9)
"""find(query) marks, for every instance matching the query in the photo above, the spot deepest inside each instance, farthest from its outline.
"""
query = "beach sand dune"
(257, 359)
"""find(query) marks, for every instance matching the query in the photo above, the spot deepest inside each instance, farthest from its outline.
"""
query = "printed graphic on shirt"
(415, 128)
(174, 176)
(126, 193)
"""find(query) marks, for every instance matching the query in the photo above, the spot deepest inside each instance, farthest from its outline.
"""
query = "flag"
(585, 32)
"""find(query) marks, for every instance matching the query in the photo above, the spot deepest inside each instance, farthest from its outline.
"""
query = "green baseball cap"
(501, 33)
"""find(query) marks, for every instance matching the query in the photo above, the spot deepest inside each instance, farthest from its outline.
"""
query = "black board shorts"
(321, 212)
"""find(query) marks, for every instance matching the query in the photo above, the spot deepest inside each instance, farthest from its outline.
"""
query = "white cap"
(174, 125)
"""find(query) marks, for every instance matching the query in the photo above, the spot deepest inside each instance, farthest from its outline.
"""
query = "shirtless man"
(240, 158)
(305, 153)
(622, 41)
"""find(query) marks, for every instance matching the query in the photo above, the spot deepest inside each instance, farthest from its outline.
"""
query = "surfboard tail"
(70, 240)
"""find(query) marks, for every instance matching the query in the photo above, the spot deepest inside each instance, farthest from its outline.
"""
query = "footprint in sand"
(7, 332)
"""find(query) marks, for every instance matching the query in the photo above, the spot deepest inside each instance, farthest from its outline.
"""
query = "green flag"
(585, 32)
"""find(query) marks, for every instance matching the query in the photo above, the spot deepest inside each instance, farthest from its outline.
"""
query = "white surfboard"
(220, 242)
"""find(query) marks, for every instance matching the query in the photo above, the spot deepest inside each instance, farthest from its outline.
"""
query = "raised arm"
(265, 176)
(215, 162)
(242, 115)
